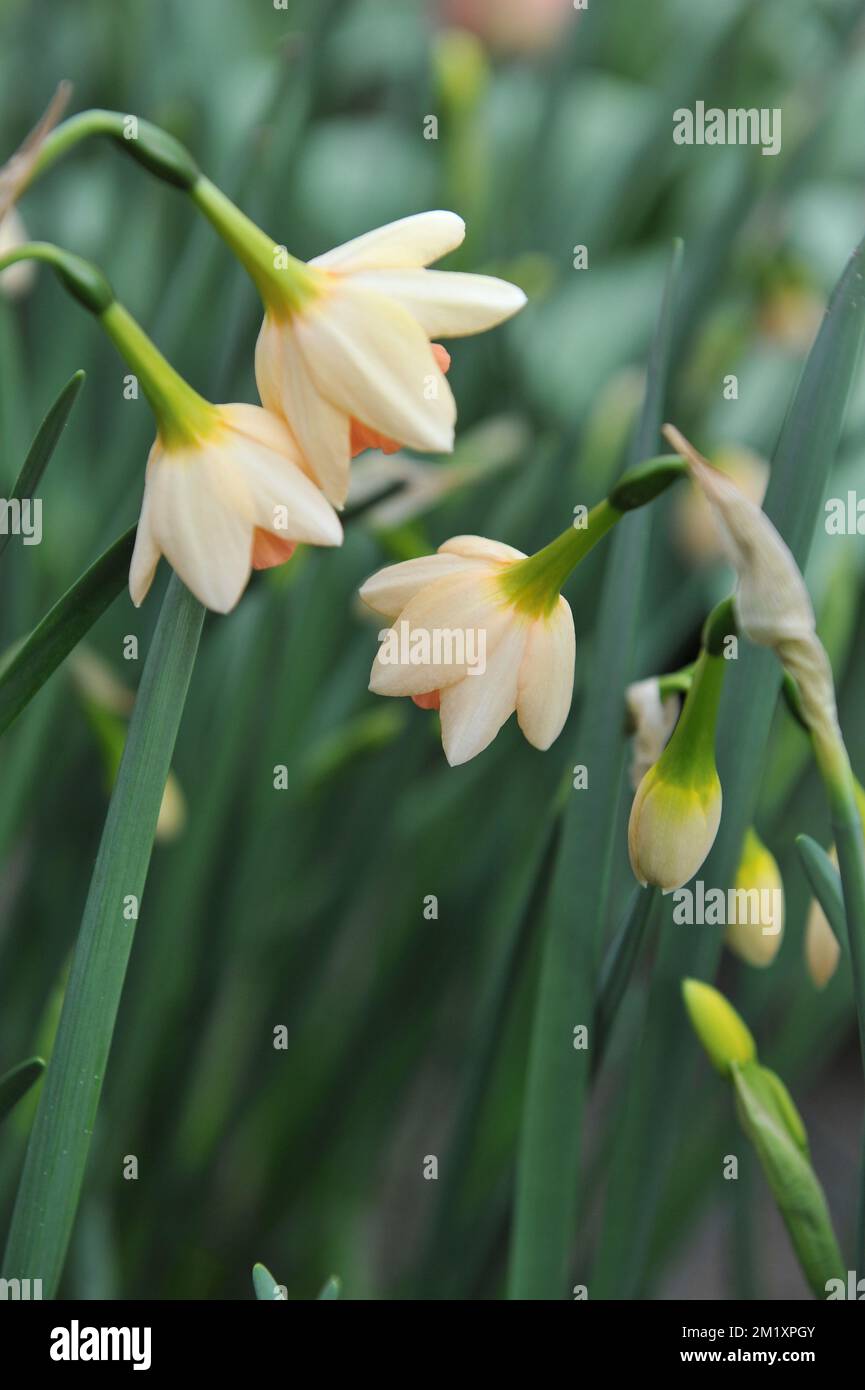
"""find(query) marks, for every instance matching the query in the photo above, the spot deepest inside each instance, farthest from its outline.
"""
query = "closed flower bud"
(722, 1032)
(756, 934)
(822, 951)
(677, 808)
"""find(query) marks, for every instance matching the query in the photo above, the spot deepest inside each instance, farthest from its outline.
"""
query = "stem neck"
(284, 283)
(181, 414)
(534, 584)
(689, 757)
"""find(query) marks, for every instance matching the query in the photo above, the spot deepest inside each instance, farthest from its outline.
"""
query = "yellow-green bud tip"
(719, 1028)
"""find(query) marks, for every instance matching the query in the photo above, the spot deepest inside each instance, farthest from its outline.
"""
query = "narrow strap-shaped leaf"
(617, 967)
(16, 1082)
(43, 446)
(331, 1290)
(30, 665)
(56, 1156)
(825, 882)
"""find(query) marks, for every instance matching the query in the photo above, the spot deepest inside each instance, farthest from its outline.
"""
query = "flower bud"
(722, 1032)
(677, 808)
(822, 951)
(756, 934)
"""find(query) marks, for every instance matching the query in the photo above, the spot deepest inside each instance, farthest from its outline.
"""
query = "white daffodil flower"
(223, 503)
(355, 358)
(345, 352)
(466, 640)
(224, 492)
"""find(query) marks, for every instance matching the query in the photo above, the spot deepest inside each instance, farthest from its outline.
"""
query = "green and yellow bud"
(822, 951)
(677, 809)
(727, 1040)
(756, 934)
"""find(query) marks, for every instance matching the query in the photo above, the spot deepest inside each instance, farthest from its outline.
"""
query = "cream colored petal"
(146, 553)
(145, 557)
(389, 590)
(479, 548)
(473, 710)
(287, 389)
(459, 616)
(284, 500)
(654, 720)
(203, 523)
(546, 680)
(369, 358)
(447, 304)
(412, 241)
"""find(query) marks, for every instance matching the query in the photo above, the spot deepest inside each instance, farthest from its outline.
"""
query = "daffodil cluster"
(344, 361)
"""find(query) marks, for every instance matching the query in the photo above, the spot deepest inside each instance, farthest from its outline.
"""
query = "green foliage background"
(409, 1037)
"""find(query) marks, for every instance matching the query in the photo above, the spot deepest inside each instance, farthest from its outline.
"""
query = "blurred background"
(406, 1031)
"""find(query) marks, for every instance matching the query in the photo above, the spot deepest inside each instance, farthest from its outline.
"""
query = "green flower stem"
(146, 143)
(534, 584)
(180, 412)
(60, 1140)
(283, 282)
(690, 754)
(83, 281)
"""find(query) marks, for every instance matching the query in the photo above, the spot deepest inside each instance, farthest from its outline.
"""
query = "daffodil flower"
(489, 653)
(224, 490)
(482, 630)
(345, 352)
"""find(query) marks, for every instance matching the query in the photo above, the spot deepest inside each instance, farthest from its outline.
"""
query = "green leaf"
(17, 1082)
(795, 1186)
(548, 1164)
(331, 1290)
(43, 446)
(825, 882)
(26, 670)
(617, 967)
(56, 1156)
(266, 1287)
